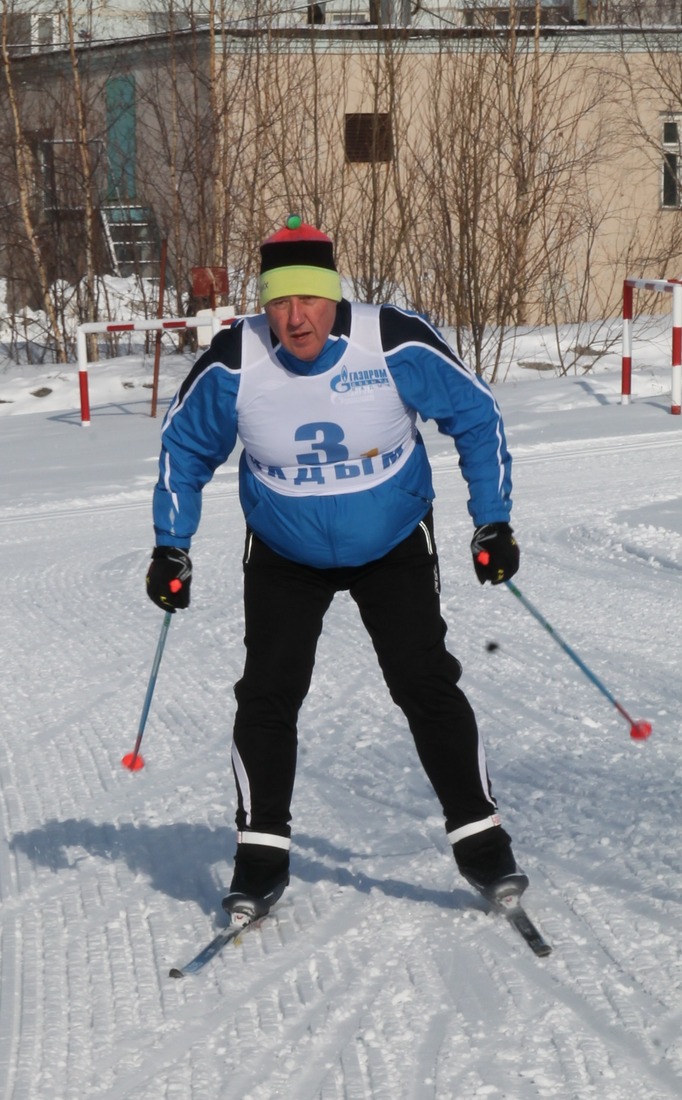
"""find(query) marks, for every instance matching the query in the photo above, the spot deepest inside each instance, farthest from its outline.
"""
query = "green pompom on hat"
(298, 259)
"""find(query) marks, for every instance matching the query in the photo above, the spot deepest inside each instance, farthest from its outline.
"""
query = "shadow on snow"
(177, 860)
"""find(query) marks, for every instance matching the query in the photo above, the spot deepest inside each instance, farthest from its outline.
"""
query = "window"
(368, 138)
(481, 13)
(121, 113)
(59, 171)
(165, 22)
(46, 167)
(671, 189)
(28, 33)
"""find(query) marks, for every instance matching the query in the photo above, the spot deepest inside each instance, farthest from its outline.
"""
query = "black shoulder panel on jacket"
(398, 327)
(342, 320)
(225, 347)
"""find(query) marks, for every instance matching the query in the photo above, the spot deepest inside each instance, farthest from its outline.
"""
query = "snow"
(381, 975)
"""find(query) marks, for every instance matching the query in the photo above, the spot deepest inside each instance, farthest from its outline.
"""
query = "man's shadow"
(178, 860)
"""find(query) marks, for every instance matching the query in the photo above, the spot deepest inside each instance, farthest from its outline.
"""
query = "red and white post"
(676, 396)
(626, 362)
(82, 355)
(164, 324)
(668, 286)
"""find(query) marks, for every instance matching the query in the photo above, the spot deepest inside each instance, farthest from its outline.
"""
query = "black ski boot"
(261, 875)
(487, 862)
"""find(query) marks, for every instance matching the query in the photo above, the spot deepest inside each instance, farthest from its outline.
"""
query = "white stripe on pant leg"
(483, 772)
(474, 827)
(488, 822)
(272, 840)
(427, 535)
(242, 782)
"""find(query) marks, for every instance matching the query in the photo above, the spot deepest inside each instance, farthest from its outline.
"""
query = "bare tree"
(510, 133)
(25, 187)
(652, 93)
(88, 199)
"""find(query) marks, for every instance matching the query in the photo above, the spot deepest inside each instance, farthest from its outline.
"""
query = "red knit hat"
(298, 259)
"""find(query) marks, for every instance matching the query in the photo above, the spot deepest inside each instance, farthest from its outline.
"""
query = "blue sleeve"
(198, 435)
(433, 380)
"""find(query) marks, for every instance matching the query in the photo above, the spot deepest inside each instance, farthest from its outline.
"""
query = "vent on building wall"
(368, 138)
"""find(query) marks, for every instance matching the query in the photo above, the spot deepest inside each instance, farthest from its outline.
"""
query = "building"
(486, 174)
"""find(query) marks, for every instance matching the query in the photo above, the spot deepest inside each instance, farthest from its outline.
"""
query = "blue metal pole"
(133, 761)
(639, 730)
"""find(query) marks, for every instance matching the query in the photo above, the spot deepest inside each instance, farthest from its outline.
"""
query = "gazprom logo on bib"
(350, 380)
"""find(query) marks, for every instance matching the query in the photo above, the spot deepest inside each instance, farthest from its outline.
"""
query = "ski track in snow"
(380, 975)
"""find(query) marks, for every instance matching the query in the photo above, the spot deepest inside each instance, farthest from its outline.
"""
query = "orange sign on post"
(209, 282)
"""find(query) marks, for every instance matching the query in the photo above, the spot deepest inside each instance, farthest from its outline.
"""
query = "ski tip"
(174, 972)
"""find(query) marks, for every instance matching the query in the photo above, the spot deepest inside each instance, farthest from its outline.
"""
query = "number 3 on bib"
(326, 441)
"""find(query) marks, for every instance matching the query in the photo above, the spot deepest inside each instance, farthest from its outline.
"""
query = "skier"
(336, 490)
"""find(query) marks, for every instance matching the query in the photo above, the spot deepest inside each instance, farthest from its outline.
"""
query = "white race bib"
(341, 431)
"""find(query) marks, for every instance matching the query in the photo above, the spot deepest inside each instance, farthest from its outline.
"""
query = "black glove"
(169, 578)
(496, 555)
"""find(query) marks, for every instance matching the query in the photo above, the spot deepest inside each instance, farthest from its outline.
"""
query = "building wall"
(591, 104)
(521, 184)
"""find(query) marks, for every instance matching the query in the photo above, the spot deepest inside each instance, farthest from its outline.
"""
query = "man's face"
(302, 323)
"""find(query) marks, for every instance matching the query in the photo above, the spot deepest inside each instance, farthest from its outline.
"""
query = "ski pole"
(132, 760)
(639, 730)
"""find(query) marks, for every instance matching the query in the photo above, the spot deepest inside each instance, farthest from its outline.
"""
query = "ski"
(520, 920)
(509, 906)
(237, 926)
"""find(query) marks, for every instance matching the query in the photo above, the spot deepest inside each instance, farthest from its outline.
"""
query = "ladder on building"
(132, 239)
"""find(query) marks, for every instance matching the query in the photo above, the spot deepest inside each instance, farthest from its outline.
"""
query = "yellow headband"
(282, 282)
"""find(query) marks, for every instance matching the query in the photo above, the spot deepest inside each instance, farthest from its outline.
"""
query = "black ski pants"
(399, 603)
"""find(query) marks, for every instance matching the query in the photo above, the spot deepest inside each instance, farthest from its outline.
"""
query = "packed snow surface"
(380, 974)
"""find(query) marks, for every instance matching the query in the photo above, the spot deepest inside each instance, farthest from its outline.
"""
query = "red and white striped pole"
(676, 398)
(669, 286)
(82, 355)
(626, 368)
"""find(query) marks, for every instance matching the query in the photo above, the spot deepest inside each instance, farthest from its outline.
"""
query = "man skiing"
(336, 490)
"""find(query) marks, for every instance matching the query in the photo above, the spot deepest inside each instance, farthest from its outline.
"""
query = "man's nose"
(295, 312)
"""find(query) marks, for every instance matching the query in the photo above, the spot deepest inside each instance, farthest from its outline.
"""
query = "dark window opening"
(315, 14)
(670, 184)
(368, 138)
